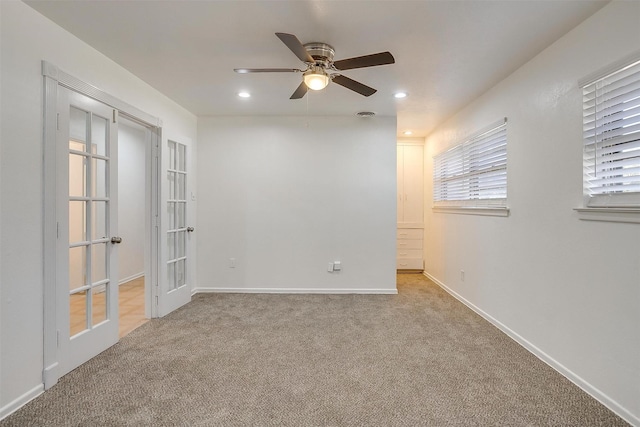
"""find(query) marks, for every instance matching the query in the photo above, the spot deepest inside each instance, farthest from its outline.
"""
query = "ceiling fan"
(321, 68)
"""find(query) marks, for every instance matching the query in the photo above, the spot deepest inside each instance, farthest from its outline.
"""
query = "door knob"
(190, 229)
(116, 240)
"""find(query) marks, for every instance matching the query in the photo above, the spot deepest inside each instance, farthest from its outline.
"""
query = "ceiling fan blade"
(354, 85)
(300, 92)
(295, 46)
(382, 58)
(266, 70)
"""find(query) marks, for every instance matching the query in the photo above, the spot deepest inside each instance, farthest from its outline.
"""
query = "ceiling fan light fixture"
(320, 68)
(316, 78)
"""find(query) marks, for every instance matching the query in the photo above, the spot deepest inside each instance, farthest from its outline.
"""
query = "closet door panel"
(400, 182)
(413, 182)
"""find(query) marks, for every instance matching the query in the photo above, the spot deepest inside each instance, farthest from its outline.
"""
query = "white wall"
(285, 196)
(27, 38)
(569, 288)
(131, 200)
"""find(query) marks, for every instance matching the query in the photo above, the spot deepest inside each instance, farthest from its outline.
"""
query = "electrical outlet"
(232, 263)
(462, 275)
(330, 267)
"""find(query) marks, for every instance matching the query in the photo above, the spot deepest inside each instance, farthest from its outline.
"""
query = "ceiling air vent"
(365, 114)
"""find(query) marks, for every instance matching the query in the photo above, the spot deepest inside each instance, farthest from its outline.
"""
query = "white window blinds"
(611, 127)
(474, 172)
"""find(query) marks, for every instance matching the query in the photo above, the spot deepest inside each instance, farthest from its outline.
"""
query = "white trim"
(214, 290)
(19, 402)
(614, 406)
(153, 199)
(611, 68)
(464, 210)
(50, 375)
(68, 81)
(130, 278)
(627, 215)
(50, 231)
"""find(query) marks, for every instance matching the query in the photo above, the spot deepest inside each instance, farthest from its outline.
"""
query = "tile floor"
(131, 304)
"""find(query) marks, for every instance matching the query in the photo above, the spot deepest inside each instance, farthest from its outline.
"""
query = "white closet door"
(400, 182)
(413, 184)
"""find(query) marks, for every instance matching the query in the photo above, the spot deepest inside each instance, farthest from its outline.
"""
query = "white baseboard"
(130, 278)
(18, 403)
(201, 290)
(50, 375)
(563, 370)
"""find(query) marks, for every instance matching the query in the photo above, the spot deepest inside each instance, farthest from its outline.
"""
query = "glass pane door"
(177, 216)
(86, 216)
(89, 284)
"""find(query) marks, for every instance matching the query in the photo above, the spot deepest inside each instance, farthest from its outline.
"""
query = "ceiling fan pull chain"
(308, 110)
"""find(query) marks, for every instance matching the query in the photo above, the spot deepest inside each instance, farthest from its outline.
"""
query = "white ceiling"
(447, 52)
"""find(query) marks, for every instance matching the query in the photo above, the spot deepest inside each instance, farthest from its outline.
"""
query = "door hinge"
(57, 121)
(57, 338)
(115, 114)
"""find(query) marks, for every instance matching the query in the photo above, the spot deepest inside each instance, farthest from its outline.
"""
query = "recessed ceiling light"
(400, 95)
(407, 132)
(244, 94)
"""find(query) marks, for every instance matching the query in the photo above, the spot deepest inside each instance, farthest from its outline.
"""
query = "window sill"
(464, 210)
(629, 215)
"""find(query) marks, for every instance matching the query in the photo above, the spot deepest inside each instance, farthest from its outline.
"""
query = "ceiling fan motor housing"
(322, 53)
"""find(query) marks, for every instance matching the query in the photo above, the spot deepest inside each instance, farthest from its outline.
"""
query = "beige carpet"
(418, 358)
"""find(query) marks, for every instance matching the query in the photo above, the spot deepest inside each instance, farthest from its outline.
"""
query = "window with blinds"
(611, 128)
(474, 172)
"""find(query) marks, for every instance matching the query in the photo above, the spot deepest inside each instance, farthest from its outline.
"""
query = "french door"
(176, 291)
(81, 224)
(87, 238)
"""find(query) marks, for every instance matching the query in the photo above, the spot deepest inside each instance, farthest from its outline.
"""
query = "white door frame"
(53, 77)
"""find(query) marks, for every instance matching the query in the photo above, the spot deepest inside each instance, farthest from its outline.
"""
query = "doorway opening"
(132, 224)
(82, 238)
